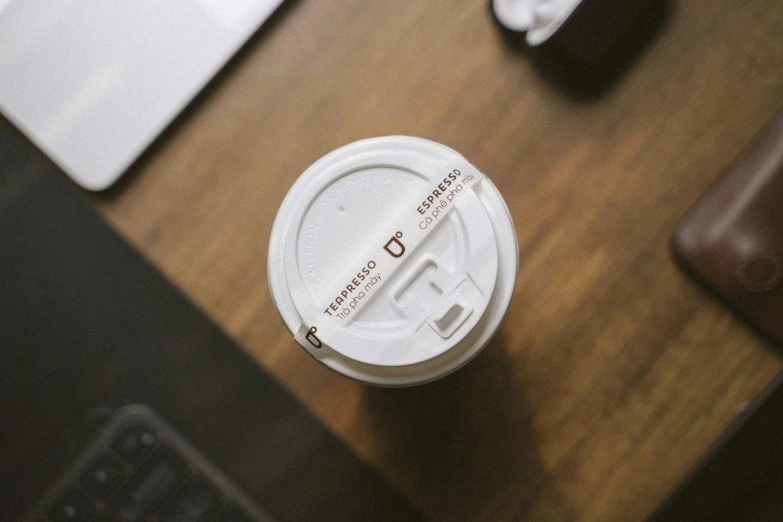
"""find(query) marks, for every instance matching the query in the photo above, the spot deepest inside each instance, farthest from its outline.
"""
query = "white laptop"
(93, 82)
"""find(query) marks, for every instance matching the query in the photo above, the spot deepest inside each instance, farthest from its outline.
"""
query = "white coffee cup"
(393, 260)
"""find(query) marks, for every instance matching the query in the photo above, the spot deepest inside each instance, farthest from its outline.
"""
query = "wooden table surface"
(613, 373)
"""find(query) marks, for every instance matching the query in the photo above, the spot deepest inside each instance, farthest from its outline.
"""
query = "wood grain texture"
(613, 373)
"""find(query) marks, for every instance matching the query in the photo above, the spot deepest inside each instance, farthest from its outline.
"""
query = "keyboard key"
(103, 475)
(148, 485)
(134, 442)
(230, 514)
(72, 507)
(195, 499)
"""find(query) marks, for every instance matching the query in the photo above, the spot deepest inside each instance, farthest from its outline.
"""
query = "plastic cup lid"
(384, 257)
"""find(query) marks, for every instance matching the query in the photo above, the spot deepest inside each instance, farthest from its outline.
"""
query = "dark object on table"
(87, 326)
(586, 31)
(139, 466)
(742, 477)
(597, 28)
(732, 240)
(591, 49)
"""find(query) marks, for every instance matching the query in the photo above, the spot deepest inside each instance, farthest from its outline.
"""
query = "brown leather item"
(732, 240)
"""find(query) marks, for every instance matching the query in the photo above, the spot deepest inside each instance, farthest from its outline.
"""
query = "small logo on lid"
(312, 338)
(395, 244)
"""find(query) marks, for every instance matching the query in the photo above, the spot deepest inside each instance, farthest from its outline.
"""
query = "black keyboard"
(138, 468)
